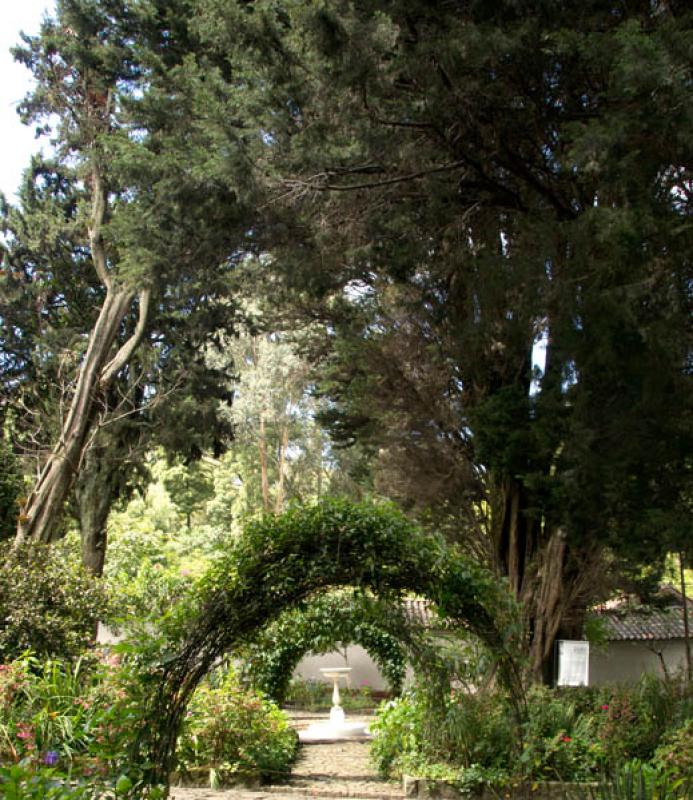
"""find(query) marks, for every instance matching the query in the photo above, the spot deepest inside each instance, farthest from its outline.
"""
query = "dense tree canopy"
(125, 242)
(448, 189)
(468, 182)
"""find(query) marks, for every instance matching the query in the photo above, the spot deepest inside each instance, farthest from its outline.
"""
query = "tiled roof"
(625, 622)
(643, 624)
(622, 620)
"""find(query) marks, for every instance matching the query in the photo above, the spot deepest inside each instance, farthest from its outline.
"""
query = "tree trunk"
(38, 517)
(686, 625)
(537, 561)
(547, 604)
(95, 492)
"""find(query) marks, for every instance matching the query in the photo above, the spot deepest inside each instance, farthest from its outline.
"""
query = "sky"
(18, 141)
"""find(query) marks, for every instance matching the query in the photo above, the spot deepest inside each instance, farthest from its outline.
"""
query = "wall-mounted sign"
(573, 663)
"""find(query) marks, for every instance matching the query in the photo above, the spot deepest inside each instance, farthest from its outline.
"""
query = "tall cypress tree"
(153, 222)
(465, 182)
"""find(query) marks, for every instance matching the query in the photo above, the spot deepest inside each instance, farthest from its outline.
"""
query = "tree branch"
(125, 352)
(98, 212)
(324, 187)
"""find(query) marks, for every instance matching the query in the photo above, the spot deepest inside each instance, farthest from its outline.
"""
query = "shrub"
(234, 731)
(634, 780)
(65, 728)
(21, 782)
(398, 734)
(48, 603)
(319, 626)
(674, 756)
(633, 718)
(312, 695)
(11, 484)
(559, 742)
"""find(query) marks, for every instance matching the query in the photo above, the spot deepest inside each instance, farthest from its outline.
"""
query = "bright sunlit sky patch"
(18, 141)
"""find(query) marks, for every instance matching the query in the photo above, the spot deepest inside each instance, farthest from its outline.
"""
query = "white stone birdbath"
(337, 727)
(336, 712)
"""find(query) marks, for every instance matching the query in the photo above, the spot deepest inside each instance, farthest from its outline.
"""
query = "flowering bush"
(313, 695)
(233, 731)
(65, 728)
(566, 736)
(632, 719)
(21, 782)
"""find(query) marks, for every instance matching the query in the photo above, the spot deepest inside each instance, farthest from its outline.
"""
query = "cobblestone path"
(334, 770)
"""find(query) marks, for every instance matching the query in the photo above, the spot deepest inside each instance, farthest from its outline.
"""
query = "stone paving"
(334, 770)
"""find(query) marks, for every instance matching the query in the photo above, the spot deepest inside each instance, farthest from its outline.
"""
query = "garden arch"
(319, 627)
(279, 562)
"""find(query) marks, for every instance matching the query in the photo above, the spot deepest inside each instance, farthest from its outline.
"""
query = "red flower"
(566, 739)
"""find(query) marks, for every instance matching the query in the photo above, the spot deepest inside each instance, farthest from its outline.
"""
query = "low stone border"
(198, 778)
(428, 789)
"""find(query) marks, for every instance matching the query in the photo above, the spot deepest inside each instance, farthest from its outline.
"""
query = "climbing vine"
(280, 562)
(321, 625)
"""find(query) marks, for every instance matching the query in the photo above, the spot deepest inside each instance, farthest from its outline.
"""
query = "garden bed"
(428, 789)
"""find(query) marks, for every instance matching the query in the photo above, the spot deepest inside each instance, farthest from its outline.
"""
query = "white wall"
(627, 661)
(363, 668)
(618, 662)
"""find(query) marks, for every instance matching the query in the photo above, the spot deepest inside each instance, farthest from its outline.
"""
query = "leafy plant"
(319, 626)
(674, 756)
(314, 695)
(234, 732)
(48, 603)
(21, 782)
(635, 780)
(397, 732)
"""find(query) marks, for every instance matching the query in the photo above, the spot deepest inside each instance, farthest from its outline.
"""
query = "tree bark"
(686, 625)
(38, 517)
(95, 491)
(536, 559)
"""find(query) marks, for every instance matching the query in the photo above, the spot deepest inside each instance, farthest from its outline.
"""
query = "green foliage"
(315, 695)
(559, 743)
(235, 733)
(280, 561)
(48, 603)
(634, 718)
(189, 487)
(318, 627)
(153, 556)
(64, 728)
(22, 782)
(465, 731)
(448, 217)
(566, 736)
(397, 734)
(11, 484)
(635, 780)
(674, 755)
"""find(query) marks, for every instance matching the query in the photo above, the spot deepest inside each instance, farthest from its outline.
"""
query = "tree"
(151, 216)
(11, 485)
(467, 182)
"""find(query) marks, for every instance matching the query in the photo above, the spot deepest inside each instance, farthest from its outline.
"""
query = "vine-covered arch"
(279, 562)
(325, 622)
